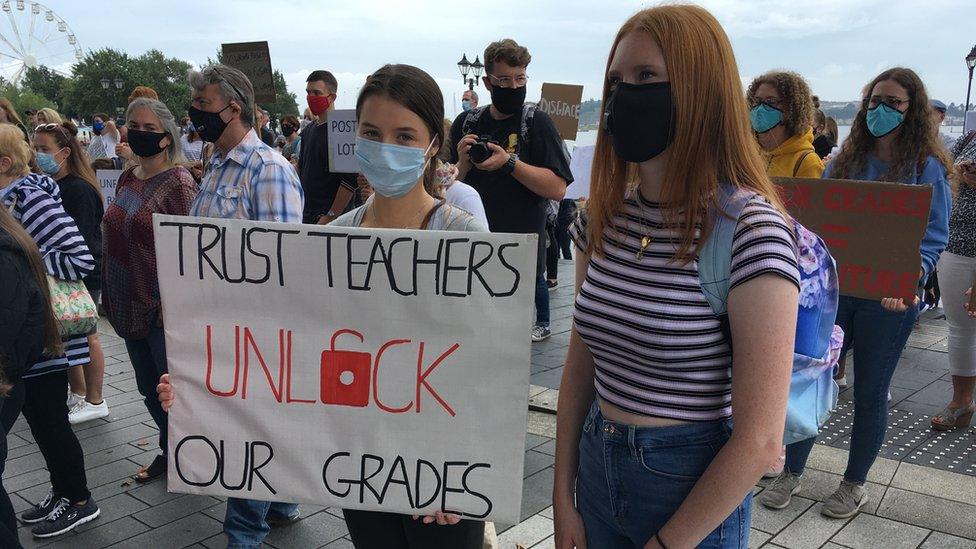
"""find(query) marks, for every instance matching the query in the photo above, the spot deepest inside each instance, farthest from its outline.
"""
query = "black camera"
(479, 152)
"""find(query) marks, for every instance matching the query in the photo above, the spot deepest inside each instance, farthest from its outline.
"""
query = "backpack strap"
(528, 116)
(471, 119)
(715, 257)
(799, 161)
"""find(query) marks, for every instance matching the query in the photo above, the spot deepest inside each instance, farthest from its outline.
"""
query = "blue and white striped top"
(36, 201)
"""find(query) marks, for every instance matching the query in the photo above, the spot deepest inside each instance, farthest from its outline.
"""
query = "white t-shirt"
(103, 146)
(465, 197)
(192, 151)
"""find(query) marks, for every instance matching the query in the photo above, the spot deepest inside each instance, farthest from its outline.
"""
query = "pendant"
(644, 243)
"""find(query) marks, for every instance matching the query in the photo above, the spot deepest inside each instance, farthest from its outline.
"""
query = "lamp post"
(970, 63)
(475, 69)
(106, 83)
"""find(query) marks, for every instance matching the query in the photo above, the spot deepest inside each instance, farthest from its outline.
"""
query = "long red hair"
(713, 141)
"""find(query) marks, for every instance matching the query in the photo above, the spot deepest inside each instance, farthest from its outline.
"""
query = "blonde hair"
(51, 116)
(713, 140)
(13, 146)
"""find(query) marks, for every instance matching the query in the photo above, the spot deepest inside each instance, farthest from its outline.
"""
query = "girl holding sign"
(645, 451)
(400, 112)
(892, 139)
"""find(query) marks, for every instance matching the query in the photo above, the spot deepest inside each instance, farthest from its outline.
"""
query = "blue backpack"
(813, 392)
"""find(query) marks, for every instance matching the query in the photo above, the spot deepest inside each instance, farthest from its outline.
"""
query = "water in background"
(589, 137)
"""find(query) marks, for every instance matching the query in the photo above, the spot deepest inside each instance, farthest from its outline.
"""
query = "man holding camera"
(513, 156)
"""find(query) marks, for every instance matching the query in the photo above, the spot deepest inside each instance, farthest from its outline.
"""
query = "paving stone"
(809, 531)
(936, 483)
(114, 508)
(929, 512)
(834, 460)
(341, 543)
(103, 534)
(174, 509)
(542, 424)
(864, 531)
(757, 537)
(537, 492)
(114, 438)
(819, 485)
(547, 512)
(535, 462)
(774, 521)
(938, 540)
(527, 533)
(531, 441)
(548, 447)
(181, 533)
(313, 531)
(154, 493)
(548, 543)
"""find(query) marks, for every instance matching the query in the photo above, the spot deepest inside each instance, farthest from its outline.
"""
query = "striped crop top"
(657, 347)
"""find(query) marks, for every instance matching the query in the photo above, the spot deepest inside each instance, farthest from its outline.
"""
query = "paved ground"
(914, 503)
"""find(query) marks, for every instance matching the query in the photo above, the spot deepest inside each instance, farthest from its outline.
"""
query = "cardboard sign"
(581, 164)
(254, 60)
(342, 141)
(363, 369)
(562, 103)
(108, 180)
(872, 229)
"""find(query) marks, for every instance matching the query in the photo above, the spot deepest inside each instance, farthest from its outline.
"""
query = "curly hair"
(797, 103)
(917, 139)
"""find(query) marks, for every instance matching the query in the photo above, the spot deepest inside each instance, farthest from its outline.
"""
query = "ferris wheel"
(31, 34)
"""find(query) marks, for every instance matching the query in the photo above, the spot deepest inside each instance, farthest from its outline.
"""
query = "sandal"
(951, 419)
(152, 471)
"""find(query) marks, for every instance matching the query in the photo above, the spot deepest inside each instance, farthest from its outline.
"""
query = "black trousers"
(10, 406)
(552, 254)
(565, 218)
(375, 530)
(46, 412)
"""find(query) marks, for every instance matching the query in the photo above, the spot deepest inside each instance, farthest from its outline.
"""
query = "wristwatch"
(509, 166)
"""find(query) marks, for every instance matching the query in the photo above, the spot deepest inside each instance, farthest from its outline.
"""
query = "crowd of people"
(646, 454)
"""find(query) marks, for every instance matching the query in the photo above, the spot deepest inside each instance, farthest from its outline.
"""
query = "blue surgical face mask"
(47, 163)
(465, 105)
(765, 117)
(392, 170)
(97, 127)
(883, 120)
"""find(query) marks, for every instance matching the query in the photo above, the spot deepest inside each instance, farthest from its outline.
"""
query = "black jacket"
(24, 307)
(84, 205)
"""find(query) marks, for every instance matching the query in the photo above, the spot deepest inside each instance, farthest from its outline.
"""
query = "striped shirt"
(657, 346)
(252, 181)
(36, 201)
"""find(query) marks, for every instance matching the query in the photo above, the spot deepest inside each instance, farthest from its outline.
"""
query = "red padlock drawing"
(353, 389)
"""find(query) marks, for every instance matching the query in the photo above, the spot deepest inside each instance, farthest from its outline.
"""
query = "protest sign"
(562, 103)
(254, 60)
(872, 229)
(108, 180)
(363, 369)
(342, 141)
(580, 165)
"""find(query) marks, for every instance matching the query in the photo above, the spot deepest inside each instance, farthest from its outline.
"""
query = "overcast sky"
(838, 45)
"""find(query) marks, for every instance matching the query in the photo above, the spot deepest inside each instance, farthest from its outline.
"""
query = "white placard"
(365, 369)
(580, 165)
(108, 180)
(342, 141)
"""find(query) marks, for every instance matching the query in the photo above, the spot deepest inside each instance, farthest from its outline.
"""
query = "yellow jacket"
(791, 158)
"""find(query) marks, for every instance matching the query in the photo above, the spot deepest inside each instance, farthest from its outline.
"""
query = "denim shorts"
(632, 479)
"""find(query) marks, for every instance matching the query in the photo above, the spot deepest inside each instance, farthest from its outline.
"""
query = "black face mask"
(287, 130)
(145, 144)
(507, 100)
(210, 126)
(640, 119)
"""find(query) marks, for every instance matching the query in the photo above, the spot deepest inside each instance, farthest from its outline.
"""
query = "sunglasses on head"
(51, 127)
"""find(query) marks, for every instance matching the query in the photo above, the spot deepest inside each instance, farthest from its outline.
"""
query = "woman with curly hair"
(892, 139)
(782, 117)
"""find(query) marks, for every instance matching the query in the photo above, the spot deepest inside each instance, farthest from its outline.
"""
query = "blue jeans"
(878, 337)
(541, 301)
(245, 523)
(632, 479)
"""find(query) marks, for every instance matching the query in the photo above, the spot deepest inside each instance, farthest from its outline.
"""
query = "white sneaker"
(842, 381)
(86, 411)
(74, 399)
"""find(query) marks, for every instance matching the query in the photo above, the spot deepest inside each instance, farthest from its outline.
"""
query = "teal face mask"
(765, 117)
(392, 170)
(884, 119)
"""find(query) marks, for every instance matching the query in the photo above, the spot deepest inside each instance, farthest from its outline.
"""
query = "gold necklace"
(645, 240)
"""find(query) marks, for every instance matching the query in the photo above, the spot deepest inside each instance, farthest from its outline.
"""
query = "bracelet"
(657, 537)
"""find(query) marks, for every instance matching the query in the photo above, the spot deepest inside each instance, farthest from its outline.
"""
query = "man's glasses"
(509, 82)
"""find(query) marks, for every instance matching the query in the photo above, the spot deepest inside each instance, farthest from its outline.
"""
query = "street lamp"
(971, 63)
(105, 83)
(475, 69)
(119, 82)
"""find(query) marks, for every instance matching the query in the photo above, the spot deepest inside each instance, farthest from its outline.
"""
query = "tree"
(45, 82)
(166, 75)
(23, 99)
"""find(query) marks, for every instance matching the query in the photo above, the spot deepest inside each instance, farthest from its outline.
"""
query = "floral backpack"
(813, 392)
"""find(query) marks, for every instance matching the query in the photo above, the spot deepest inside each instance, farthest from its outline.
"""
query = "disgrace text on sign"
(342, 141)
(254, 60)
(562, 103)
(364, 369)
(873, 230)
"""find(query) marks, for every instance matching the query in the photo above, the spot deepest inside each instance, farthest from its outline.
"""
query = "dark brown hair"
(508, 51)
(28, 248)
(798, 104)
(917, 140)
(79, 165)
(418, 92)
(324, 76)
